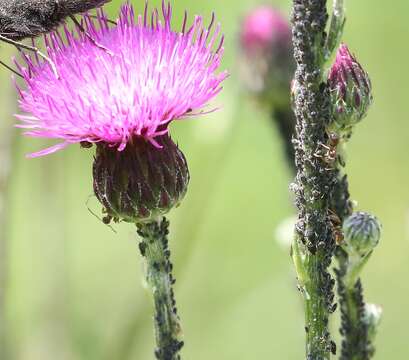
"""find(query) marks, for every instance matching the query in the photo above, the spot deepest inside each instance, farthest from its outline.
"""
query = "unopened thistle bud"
(362, 233)
(267, 64)
(351, 91)
(142, 182)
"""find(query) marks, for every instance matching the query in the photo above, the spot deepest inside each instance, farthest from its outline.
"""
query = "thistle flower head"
(267, 64)
(362, 233)
(147, 76)
(350, 89)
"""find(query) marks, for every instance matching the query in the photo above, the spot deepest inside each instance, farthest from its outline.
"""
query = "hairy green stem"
(154, 248)
(336, 27)
(315, 180)
(354, 330)
(127, 336)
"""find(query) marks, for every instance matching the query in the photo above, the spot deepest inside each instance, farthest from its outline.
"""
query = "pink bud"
(350, 89)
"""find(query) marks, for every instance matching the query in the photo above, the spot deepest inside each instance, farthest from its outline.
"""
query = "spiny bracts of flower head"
(142, 76)
(142, 182)
(350, 89)
(362, 232)
(266, 61)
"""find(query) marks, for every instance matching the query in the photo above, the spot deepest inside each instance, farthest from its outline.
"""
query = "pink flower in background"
(263, 28)
(150, 76)
(266, 62)
(267, 66)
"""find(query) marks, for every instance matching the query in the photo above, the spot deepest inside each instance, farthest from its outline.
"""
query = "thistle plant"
(327, 109)
(123, 101)
(267, 67)
(314, 242)
(351, 97)
(359, 321)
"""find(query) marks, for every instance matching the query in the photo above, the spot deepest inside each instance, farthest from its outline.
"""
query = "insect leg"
(87, 34)
(94, 214)
(113, 22)
(20, 46)
(10, 68)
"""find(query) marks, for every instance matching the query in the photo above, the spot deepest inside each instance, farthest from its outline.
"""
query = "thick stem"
(154, 248)
(318, 345)
(315, 179)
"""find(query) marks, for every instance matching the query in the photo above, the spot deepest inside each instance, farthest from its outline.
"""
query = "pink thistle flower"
(150, 76)
(264, 28)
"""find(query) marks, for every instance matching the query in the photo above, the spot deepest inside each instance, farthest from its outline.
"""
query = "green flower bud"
(142, 182)
(362, 233)
(350, 90)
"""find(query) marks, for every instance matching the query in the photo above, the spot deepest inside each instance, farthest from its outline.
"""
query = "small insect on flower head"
(124, 100)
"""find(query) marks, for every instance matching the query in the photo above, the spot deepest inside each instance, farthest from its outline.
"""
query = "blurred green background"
(73, 288)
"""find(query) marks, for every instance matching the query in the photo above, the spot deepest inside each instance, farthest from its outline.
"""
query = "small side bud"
(267, 63)
(372, 319)
(362, 233)
(142, 182)
(351, 91)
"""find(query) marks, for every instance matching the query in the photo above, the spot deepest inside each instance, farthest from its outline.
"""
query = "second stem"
(154, 248)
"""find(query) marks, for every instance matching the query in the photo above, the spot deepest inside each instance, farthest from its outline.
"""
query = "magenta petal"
(49, 150)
